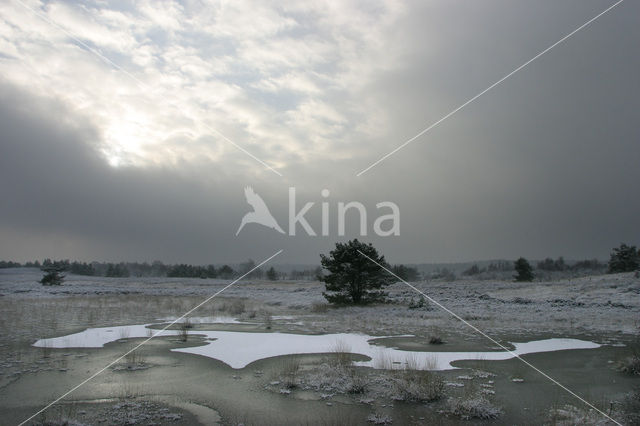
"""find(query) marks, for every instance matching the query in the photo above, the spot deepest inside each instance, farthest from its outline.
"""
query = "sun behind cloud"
(279, 79)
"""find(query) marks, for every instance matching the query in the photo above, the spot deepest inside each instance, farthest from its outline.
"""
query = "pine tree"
(523, 268)
(353, 278)
(272, 275)
(624, 259)
(52, 276)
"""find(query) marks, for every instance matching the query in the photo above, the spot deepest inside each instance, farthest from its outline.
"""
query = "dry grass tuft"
(183, 332)
(289, 371)
(414, 383)
(474, 406)
(342, 354)
(319, 307)
(630, 365)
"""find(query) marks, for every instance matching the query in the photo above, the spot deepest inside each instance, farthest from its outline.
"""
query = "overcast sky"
(119, 123)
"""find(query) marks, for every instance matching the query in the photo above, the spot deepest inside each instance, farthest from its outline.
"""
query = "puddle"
(238, 349)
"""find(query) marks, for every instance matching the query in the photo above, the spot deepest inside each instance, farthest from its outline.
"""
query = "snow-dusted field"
(600, 304)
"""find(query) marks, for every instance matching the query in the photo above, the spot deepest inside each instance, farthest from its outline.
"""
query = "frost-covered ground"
(604, 309)
(593, 304)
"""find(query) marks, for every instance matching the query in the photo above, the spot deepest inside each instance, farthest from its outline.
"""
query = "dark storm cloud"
(61, 199)
(543, 164)
(54, 181)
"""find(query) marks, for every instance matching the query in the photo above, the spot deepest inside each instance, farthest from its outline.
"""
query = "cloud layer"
(115, 123)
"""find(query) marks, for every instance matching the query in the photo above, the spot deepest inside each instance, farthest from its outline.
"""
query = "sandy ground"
(186, 389)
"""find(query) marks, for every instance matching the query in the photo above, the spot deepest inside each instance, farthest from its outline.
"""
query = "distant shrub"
(523, 270)
(406, 273)
(444, 274)
(272, 274)
(624, 259)
(552, 265)
(419, 304)
(82, 269)
(473, 270)
(225, 272)
(501, 265)
(117, 270)
(435, 340)
(52, 276)
(590, 264)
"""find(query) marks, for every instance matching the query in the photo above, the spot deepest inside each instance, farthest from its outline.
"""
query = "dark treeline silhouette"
(305, 274)
(623, 259)
(154, 269)
(105, 269)
(548, 265)
(497, 266)
(552, 265)
(191, 271)
(559, 264)
(406, 273)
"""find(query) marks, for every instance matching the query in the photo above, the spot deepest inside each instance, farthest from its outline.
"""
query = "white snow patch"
(207, 320)
(239, 349)
(98, 337)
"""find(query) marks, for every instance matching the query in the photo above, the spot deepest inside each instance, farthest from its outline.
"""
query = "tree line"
(624, 258)
(357, 274)
(160, 269)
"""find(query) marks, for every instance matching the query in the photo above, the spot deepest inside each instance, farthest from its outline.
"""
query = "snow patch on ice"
(239, 349)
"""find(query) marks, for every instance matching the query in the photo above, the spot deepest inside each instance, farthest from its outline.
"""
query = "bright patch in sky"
(156, 77)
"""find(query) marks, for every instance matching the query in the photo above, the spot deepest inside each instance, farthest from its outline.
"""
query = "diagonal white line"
(488, 88)
(82, 43)
(211, 129)
(108, 61)
(149, 338)
(477, 330)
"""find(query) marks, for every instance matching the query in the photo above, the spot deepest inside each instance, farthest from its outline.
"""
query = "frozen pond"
(238, 349)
